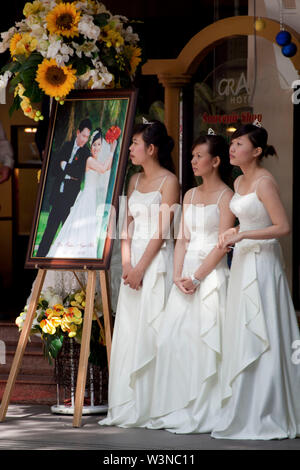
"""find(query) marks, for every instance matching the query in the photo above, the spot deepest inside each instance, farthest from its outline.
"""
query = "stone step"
(9, 331)
(33, 362)
(31, 390)
(35, 382)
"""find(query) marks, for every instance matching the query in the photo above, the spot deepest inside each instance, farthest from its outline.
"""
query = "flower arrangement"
(60, 46)
(57, 319)
(112, 134)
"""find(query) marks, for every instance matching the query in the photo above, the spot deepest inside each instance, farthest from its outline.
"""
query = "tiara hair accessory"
(211, 132)
(93, 135)
(145, 121)
(256, 123)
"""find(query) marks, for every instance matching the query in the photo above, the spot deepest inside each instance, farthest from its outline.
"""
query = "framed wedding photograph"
(81, 180)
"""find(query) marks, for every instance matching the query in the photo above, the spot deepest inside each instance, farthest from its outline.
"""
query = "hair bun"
(169, 143)
(269, 150)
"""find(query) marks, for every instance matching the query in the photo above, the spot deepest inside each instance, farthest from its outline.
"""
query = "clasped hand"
(133, 277)
(185, 284)
(229, 238)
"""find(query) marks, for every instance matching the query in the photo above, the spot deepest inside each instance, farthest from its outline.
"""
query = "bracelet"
(195, 281)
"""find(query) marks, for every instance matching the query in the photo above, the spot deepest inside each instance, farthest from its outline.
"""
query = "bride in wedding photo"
(78, 236)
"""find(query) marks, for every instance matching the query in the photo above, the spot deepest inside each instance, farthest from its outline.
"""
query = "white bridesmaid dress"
(260, 381)
(137, 321)
(186, 391)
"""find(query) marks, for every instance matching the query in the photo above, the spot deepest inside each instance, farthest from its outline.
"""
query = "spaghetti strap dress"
(137, 322)
(186, 392)
(260, 376)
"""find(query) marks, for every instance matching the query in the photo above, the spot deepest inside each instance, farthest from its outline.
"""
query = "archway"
(174, 74)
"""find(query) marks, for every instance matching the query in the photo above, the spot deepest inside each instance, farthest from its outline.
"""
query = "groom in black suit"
(70, 172)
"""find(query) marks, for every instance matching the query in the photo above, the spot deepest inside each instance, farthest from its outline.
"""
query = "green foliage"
(101, 19)
(15, 106)
(52, 345)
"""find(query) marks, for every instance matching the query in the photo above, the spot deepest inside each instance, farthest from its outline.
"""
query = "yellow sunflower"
(133, 55)
(13, 43)
(63, 20)
(54, 80)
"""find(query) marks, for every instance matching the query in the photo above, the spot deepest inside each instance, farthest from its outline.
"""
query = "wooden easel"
(85, 341)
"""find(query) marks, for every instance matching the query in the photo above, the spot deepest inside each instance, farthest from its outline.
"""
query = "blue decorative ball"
(283, 38)
(289, 50)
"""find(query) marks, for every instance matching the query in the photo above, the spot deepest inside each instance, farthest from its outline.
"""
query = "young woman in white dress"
(260, 382)
(186, 392)
(78, 235)
(147, 255)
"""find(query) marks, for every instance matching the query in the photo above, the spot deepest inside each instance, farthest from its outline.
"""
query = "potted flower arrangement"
(58, 322)
(58, 319)
(61, 46)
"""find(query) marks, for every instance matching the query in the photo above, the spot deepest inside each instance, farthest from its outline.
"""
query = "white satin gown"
(186, 392)
(260, 379)
(138, 319)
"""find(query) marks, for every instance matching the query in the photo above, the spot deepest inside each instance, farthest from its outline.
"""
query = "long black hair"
(258, 136)
(217, 147)
(97, 134)
(155, 133)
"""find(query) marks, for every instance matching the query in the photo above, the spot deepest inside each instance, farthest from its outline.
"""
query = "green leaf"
(14, 82)
(56, 345)
(44, 303)
(13, 67)
(52, 345)
(21, 58)
(101, 19)
(80, 66)
(33, 91)
(15, 106)
(32, 61)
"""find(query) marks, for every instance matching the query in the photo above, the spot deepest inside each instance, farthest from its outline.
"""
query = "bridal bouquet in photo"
(57, 319)
(61, 46)
(112, 134)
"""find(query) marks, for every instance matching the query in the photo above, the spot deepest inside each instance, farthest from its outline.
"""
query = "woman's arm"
(227, 219)
(181, 246)
(93, 164)
(269, 195)
(170, 197)
(126, 234)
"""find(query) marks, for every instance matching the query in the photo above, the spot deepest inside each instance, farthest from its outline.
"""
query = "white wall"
(272, 97)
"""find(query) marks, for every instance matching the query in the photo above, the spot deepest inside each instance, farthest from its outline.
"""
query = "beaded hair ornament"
(97, 131)
(145, 121)
(256, 123)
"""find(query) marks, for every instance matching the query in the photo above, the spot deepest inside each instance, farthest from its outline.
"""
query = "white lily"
(87, 27)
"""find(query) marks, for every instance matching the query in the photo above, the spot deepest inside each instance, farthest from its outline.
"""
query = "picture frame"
(77, 206)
